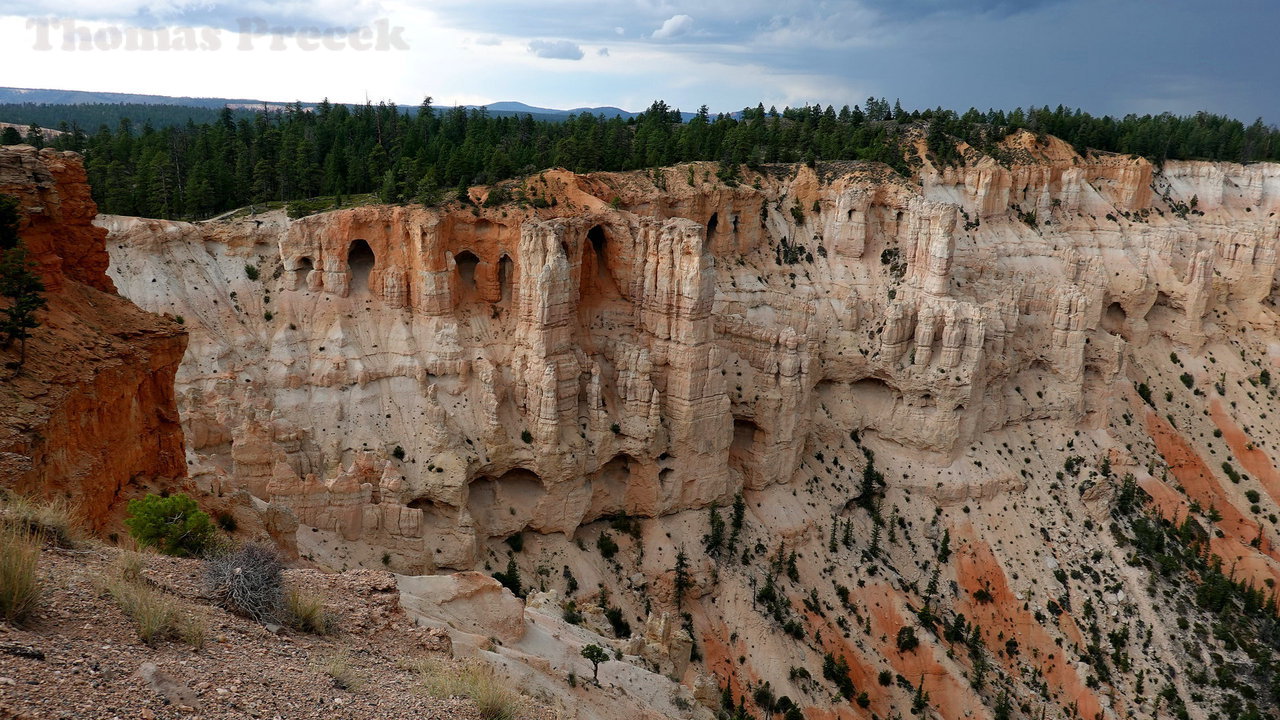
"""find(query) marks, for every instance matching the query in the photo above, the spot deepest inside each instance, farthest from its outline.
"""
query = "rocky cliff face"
(988, 350)
(93, 409)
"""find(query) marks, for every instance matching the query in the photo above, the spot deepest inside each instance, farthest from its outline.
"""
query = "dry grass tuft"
(305, 612)
(473, 680)
(340, 670)
(20, 589)
(129, 565)
(156, 615)
(56, 521)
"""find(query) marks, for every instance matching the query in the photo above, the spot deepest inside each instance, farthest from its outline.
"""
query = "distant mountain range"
(17, 96)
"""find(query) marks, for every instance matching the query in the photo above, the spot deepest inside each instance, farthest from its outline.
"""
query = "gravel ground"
(81, 658)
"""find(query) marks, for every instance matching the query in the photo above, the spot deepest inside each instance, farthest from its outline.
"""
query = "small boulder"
(173, 690)
(468, 601)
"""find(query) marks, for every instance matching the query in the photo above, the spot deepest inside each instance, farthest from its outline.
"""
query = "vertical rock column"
(678, 287)
(545, 329)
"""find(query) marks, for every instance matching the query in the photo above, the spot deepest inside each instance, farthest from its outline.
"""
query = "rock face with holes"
(577, 388)
(423, 381)
(92, 411)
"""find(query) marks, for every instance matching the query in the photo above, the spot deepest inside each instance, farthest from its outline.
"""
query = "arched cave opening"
(466, 262)
(609, 487)
(596, 273)
(302, 268)
(1114, 319)
(712, 223)
(742, 452)
(506, 275)
(504, 505)
(360, 261)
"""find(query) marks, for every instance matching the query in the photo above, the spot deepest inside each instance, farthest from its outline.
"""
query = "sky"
(1105, 56)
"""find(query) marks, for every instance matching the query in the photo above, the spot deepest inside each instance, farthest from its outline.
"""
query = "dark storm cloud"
(1105, 56)
(923, 8)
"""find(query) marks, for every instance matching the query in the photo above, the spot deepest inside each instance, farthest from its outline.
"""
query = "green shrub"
(227, 522)
(606, 545)
(621, 628)
(511, 578)
(571, 614)
(907, 640)
(596, 655)
(173, 525)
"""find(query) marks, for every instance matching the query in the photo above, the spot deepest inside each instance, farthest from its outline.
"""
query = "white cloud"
(674, 26)
(603, 52)
(556, 49)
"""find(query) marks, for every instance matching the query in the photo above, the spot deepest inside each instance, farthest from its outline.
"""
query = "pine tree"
(739, 513)
(921, 698)
(19, 285)
(596, 655)
(714, 539)
(682, 581)
(35, 136)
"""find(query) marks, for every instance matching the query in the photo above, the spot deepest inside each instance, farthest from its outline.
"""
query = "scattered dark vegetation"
(1242, 615)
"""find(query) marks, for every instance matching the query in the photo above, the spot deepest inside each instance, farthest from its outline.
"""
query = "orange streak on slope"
(951, 698)
(1256, 462)
(977, 567)
(719, 658)
(1248, 562)
(1201, 485)
(861, 670)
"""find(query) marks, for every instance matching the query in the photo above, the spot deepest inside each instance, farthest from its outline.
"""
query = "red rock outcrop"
(93, 409)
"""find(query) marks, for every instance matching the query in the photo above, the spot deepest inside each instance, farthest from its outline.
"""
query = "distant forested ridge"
(198, 169)
(94, 115)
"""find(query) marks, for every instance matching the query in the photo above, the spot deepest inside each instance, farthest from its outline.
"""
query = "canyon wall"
(93, 409)
(987, 349)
